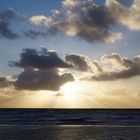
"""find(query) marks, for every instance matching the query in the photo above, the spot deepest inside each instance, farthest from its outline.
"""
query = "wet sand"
(69, 132)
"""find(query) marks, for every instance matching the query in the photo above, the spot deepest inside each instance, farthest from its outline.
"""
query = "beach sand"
(69, 132)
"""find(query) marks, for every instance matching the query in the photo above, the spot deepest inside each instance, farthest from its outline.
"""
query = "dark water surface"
(70, 116)
(69, 124)
(69, 132)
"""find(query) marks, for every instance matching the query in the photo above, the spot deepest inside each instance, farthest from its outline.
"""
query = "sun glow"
(70, 88)
(70, 91)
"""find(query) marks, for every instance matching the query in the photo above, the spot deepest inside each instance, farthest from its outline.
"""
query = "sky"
(69, 54)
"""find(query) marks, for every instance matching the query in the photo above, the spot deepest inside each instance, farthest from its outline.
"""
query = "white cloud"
(70, 3)
(41, 20)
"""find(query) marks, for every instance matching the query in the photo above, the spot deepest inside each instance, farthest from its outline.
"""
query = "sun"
(70, 90)
(70, 94)
(70, 87)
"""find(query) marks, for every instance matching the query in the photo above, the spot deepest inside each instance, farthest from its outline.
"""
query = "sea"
(69, 124)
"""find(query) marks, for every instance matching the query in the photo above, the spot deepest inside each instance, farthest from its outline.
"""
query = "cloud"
(109, 68)
(83, 20)
(9, 18)
(5, 21)
(34, 34)
(83, 63)
(70, 3)
(117, 61)
(80, 18)
(10, 14)
(5, 31)
(42, 27)
(130, 68)
(31, 79)
(128, 17)
(79, 62)
(4, 82)
(41, 20)
(97, 66)
(41, 70)
(44, 59)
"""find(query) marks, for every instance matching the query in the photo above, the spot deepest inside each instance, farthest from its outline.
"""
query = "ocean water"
(70, 116)
(69, 124)
(69, 132)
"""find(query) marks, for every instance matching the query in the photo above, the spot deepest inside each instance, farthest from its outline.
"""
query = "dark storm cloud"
(31, 79)
(43, 59)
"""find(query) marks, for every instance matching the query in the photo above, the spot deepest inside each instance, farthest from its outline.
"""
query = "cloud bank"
(117, 67)
(44, 59)
(83, 63)
(42, 67)
(92, 22)
(49, 79)
(109, 68)
(84, 19)
(41, 70)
